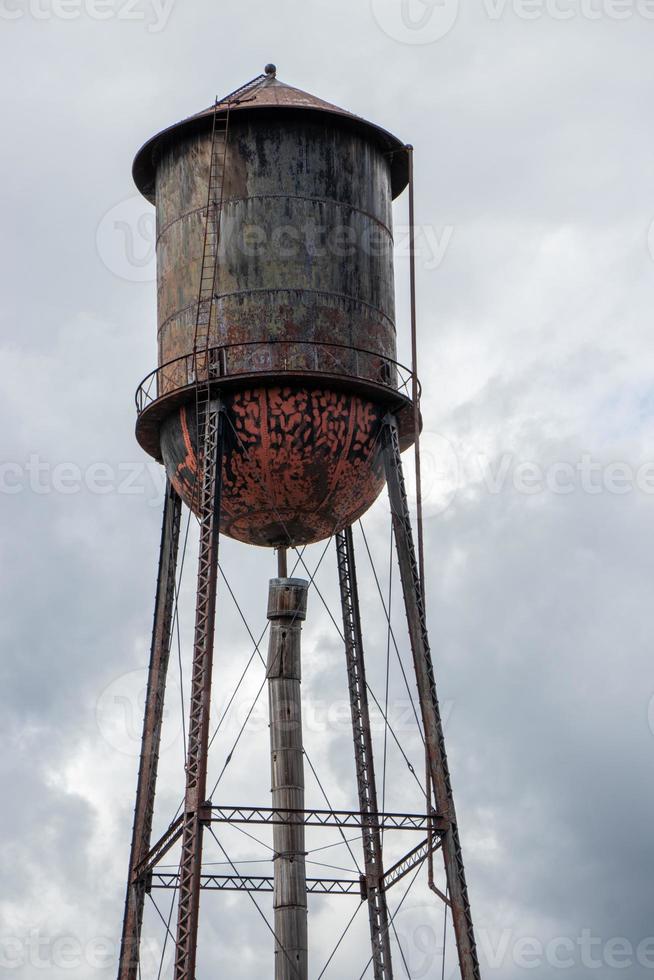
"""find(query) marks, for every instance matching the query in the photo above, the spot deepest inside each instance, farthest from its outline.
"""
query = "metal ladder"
(213, 226)
(211, 244)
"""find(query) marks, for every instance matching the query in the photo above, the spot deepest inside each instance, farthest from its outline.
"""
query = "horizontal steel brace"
(160, 849)
(316, 886)
(270, 816)
(415, 857)
(257, 883)
(328, 818)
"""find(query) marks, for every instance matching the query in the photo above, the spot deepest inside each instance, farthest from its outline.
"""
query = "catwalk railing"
(278, 358)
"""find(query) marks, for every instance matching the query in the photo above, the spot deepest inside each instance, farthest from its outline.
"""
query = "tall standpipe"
(287, 609)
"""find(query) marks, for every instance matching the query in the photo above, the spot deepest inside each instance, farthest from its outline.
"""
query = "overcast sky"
(532, 125)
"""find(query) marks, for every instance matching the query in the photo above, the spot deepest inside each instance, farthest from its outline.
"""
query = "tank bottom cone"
(299, 463)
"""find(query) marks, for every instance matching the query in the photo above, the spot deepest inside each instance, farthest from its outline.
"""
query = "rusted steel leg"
(147, 778)
(424, 668)
(364, 759)
(287, 609)
(195, 814)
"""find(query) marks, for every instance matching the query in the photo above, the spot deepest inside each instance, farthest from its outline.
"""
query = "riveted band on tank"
(284, 289)
(221, 205)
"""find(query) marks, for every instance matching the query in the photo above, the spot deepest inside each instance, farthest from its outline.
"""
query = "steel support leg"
(151, 741)
(364, 759)
(424, 668)
(211, 429)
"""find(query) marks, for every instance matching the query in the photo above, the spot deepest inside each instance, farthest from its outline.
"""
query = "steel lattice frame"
(150, 745)
(424, 668)
(195, 812)
(315, 886)
(364, 758)
(191, 881)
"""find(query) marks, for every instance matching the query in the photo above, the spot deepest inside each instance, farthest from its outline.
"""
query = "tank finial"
(271, 70)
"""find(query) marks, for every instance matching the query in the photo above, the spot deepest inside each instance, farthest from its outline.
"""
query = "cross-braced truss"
(148, 873)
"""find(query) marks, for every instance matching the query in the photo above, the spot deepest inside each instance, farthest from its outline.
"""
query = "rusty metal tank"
(301, 346)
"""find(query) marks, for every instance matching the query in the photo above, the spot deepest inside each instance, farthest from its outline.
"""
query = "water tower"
(279, 411)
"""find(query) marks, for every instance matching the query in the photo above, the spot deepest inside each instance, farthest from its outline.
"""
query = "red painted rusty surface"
(300, 463)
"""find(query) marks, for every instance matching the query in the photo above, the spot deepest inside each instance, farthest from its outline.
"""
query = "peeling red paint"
(300, 463)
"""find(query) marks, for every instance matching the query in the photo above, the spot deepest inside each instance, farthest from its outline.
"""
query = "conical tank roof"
(268, 93)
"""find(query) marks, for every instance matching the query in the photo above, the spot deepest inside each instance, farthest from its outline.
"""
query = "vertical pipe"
(282, 562)
(424, 670)
(287, 605)
(416, 437)
(198, 732)
(151, 741)
(415, 384)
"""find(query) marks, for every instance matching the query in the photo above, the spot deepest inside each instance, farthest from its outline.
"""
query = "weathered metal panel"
(306, 240)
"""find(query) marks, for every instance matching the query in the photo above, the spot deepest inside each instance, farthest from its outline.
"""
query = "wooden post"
(287, 604)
